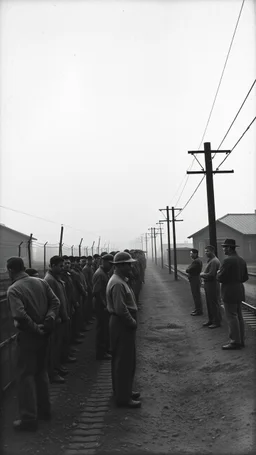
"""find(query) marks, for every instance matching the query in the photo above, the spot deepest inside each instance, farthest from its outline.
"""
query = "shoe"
(73, 351)
(81, 335)
(135, 395)
(213, 326)
(129, 404)
(71, 359)
(231, 346)
(57, 379)
(44, 416)
(25, 425)
(196, 313)
(78, 341)
(206, 324)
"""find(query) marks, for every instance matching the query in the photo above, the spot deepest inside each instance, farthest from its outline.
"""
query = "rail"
(249, 311)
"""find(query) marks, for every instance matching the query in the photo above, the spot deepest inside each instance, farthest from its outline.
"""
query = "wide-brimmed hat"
(229, 242)
(123, 257)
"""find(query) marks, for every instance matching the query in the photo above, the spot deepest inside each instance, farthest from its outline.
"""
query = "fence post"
(20, 249)
(72, 250)
(29, 251)
(45, 257)
(61, 238)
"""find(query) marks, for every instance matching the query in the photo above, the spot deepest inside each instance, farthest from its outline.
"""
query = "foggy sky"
(100, 103)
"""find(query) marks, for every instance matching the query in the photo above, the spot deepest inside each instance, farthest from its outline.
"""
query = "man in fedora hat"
(193, 271)
(211, 288)
(122, 307)
(232, 274)
(99, 282)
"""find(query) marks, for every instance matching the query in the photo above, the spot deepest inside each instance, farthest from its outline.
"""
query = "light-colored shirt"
(211, 269)
(31, 301)
(121, 299)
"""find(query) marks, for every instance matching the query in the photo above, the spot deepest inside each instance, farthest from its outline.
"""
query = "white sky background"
(100, 103)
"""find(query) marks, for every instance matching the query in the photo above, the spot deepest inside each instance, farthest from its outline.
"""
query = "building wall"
(247, 244)
(183, 256)
(9, 246)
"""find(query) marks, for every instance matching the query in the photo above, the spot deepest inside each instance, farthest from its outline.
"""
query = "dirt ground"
(196, 398)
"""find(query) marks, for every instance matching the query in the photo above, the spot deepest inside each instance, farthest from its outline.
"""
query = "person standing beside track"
(211, 289)
(193, 271)
(100, 281)
(122, 307)
(34, 308)
(232, 274)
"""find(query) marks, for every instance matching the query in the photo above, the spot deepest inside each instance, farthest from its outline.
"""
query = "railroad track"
(249, 311)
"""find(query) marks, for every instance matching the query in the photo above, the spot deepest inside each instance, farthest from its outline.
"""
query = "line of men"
(231, 275)
(51, 315)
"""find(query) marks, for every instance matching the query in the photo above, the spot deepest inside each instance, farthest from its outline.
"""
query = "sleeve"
(223, 273)
(21, 319)
(245, 276)
(53, 302)
(118, 298)
(214, 267)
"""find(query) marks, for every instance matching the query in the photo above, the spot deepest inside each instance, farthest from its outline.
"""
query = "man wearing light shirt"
(211, 288)
(121, 304)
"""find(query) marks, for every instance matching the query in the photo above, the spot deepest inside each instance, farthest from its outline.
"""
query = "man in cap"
(211, 288)
(232, 274)
(122, 307)
(193, 271)
(34, 308)
(99, 282)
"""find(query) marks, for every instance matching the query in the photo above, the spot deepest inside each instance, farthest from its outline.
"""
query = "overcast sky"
(100, 103)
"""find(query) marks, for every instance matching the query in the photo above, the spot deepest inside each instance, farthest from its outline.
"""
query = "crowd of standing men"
(221, 281)
(51, 316)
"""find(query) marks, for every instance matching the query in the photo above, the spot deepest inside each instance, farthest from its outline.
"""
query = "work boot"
(57, 379)
(206, 324)
(135, 395)
(71, 359)
(62, 371)
(129, 404)
(231, 346)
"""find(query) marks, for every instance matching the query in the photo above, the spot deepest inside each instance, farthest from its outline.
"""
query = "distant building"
(182, 250)
(11, 242)
(238, 226)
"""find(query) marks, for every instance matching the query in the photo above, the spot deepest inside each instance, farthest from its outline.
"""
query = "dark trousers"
(195, 284)
(102, 331)
(55, 349)
(234, 316)
(212, 302)
(33, 381)
(122, 343)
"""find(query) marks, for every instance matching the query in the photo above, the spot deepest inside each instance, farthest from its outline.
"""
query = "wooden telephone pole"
(173, 220)
(161, 243)
(209, 188)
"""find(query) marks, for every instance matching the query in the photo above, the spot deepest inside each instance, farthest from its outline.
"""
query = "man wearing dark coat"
(232, 274)
(193, 271)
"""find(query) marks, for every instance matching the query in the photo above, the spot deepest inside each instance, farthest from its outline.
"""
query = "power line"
(214, 101)
(239, 110)
(222, 74)
(228, 154)
(192, 195)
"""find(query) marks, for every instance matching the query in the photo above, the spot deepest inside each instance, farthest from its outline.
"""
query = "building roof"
(245, 223)
(16, 232)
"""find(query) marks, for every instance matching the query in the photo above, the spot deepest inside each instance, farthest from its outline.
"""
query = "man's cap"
(229, 242)
(31, 272)
(194, 250)
(122, 257)
(107, 257)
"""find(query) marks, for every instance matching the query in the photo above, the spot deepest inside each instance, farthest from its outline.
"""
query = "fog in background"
(100, 103)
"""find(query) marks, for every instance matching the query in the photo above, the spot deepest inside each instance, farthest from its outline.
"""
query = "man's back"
(32, 295)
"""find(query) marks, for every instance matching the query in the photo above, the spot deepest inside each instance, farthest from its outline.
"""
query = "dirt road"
(196, 398)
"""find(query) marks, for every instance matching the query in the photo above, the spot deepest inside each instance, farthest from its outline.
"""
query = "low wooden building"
(12, 243)
(238, 226)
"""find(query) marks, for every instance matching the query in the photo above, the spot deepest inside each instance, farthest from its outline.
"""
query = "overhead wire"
(213, 104)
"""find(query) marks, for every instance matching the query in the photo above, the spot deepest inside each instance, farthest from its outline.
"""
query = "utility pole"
(61, 239)
(29, 251)
(86, 248)
(154, 230)
(174, 242)
(45, 257)
(152, 246)
(79, 248)
(209, 188)
(161, 244)
(146, 241)
(173, 220)
(168, 236)
(72, 250)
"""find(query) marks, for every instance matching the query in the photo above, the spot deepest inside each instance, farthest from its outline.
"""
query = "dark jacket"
(232, 274)
(195, 268)
(58, 287)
